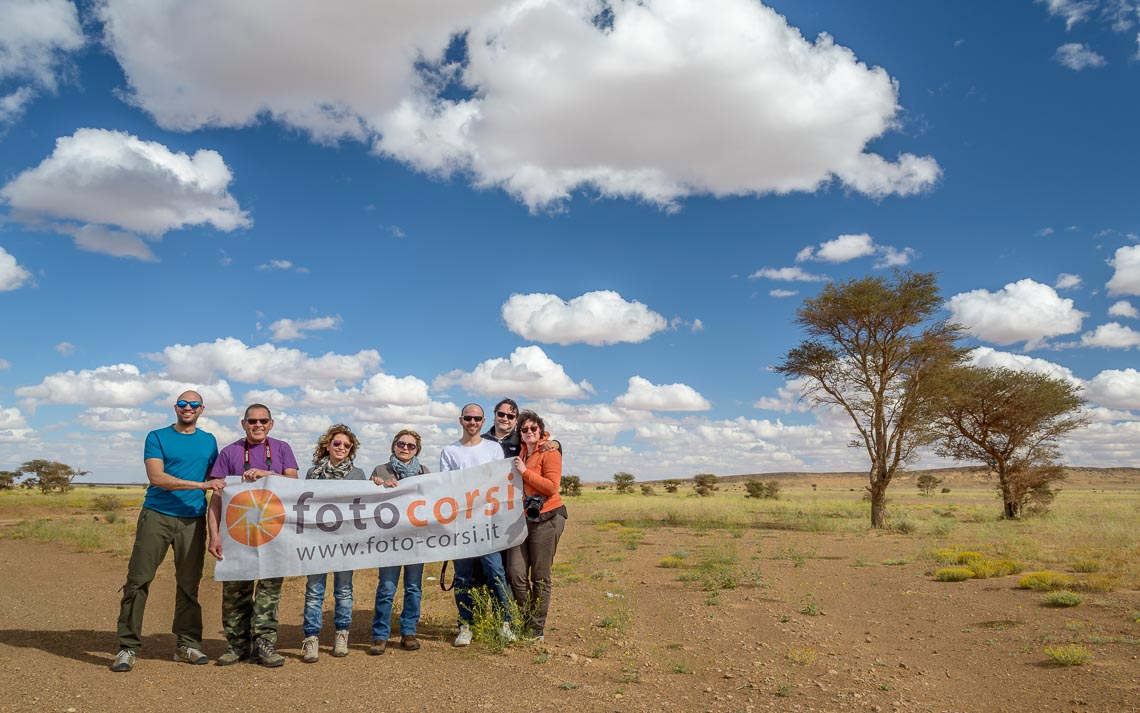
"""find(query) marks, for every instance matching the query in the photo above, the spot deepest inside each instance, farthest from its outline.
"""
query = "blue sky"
(607, 211)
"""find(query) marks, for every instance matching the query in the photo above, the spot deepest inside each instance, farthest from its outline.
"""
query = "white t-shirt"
(457, 456)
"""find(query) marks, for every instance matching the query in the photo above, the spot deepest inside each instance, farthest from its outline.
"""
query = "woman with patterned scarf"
(332, 460)
(404, 463)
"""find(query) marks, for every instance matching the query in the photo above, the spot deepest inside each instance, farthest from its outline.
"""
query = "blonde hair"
(413, 434)
(322, 449)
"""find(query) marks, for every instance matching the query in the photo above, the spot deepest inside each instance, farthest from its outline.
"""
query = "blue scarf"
(402, 469)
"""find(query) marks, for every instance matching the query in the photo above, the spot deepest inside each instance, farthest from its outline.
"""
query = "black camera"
(532, 504)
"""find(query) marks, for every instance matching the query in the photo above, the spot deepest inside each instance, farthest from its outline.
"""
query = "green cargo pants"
(249, 612)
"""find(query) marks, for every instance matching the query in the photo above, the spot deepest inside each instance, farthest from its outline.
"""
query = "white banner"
(281, 527)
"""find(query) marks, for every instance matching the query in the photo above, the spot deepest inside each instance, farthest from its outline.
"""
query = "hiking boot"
(340, 643)
(265, 653)
(378, 647)
(409, 642)
(191, 654)
(310, 650)
(507, 632)
(231, 656)
(464, 638)
(124, 661)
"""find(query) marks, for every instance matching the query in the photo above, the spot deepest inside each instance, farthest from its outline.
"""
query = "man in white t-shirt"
(471, 450)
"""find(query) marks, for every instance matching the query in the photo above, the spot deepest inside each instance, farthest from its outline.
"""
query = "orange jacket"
(543, 474)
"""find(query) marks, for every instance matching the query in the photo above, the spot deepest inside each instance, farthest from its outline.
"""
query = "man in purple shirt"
(249, 608)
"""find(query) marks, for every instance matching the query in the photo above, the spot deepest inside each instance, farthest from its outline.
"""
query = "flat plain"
(661, 602)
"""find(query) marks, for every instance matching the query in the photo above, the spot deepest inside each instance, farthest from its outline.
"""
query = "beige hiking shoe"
(310, 650)
(340, 643)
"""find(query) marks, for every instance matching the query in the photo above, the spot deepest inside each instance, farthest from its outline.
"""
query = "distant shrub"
(945, 490)
(902, 525)
(671, 485)
(1069, 654)
(106, 503)
(624, 482)
(570, 486)
(647, 489)
(803, 656)
(704, 484)
(766, 491)
(1007, 566)
(1086, 566)
(111, 516)
(671, 563)
(926, 484)
(1096, 583)
(953, 574)
(1045, 581)
(1062, 598)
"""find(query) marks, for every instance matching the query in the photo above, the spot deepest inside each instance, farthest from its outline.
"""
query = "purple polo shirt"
(231, 459)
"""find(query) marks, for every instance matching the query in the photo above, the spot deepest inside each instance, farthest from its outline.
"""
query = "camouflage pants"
(249, 612)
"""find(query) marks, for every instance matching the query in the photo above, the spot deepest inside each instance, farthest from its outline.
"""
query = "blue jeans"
(315, 600)
(496, 579)
(386, 592)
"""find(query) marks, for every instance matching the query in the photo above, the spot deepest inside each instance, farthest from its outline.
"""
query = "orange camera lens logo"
(254, 517)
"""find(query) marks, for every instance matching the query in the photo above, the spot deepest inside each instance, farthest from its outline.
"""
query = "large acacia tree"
(870, 345)
(1011, 421)
(49, 475)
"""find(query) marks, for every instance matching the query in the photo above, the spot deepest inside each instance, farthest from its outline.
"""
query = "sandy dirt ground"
(624, 635)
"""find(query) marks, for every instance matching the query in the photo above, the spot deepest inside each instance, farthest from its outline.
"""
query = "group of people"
(183, 463)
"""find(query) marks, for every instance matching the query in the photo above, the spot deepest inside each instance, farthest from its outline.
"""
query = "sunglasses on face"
(341, 444)
(255, 421)
(182, 403)
(529, 429)
(406, 446)
(472, 419)
(508, 416)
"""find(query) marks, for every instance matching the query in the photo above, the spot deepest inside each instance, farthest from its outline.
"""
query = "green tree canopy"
(624, 482)
(49, 475)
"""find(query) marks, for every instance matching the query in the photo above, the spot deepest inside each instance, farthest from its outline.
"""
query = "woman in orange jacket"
(529, 564)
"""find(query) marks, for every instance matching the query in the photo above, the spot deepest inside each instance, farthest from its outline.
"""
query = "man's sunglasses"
(471, 419)
(182, 403)
(508, 416)
(254, 421)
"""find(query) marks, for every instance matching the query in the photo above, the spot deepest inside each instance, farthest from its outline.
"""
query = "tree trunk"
(1012, 510)
(1011, 506)
(879, 503)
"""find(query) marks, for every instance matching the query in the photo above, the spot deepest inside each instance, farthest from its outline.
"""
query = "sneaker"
(230, 657)
(507, 632)
(378, 647)
(464, 638)
(535, 636)
(265, 653)
(124, 661)
(310, 650)
(340, 643)
(409, 642)
(191, 654)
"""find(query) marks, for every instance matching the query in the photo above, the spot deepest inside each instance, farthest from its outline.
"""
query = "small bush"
(902, 525)
(1045, 581)
(945, 490)
(969, 557)
(671, 563)
(1007, 566)
(1096, 583)
(1069, 654)
(1062, 598)
(1086, 566)
(111, 517)
(953, 574)
(803, 656)
(671, 485)
(647, 489)
(106, 503)
(982, 570)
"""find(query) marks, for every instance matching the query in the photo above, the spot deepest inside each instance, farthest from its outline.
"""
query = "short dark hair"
(507, 402)
(526, 416)
(252, 407)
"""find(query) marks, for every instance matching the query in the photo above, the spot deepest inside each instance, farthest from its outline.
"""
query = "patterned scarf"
(323, 469)
(402, 469)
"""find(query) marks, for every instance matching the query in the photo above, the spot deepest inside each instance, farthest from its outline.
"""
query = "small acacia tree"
(49, 475)
(1011, 421)
(671, 485)
(7, 479)
(870, 345)
(623, 482)
(926, 483)
(570, 486)
(704, 484)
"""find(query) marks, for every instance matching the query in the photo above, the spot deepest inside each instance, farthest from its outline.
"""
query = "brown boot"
(378, 647)
(409, 642)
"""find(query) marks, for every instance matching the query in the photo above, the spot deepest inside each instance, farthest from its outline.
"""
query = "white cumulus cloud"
(643, 395)
(783, 293)
(850, 247)
(1111, 336)
(13, 275)
(1022, 311)
(1126, 275)
(553, 101)
(111, 179)
(1115, 388)
(595, 318)
(264, 363)
(1072, 11)
(1077, 56)
(1123, 308)
(988, 357)
(1065, 281)
(286, 329)
(35, 39)
(527, 373)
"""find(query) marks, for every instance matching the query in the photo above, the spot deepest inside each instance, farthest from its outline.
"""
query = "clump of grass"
(783, 690)
(568, 686)
(542, 658)
(954, 574)
(810, 607)
(631, 537)
(1135, 615)
(803, 656)
(106, 503)
(487, 620)
(671, 563)
(942, 528)
(561, 569)
(1096, 583)
(1069, 654)
(111, 517)
(1085, 566)
(1045, 581)
(599, 651)
(1007, 566)
(680, 668)
(680, 554)
(713, 599)
(1062, 598)
(896, 562)
(902, 525)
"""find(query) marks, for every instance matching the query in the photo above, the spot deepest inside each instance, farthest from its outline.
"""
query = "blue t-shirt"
(187, 456)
